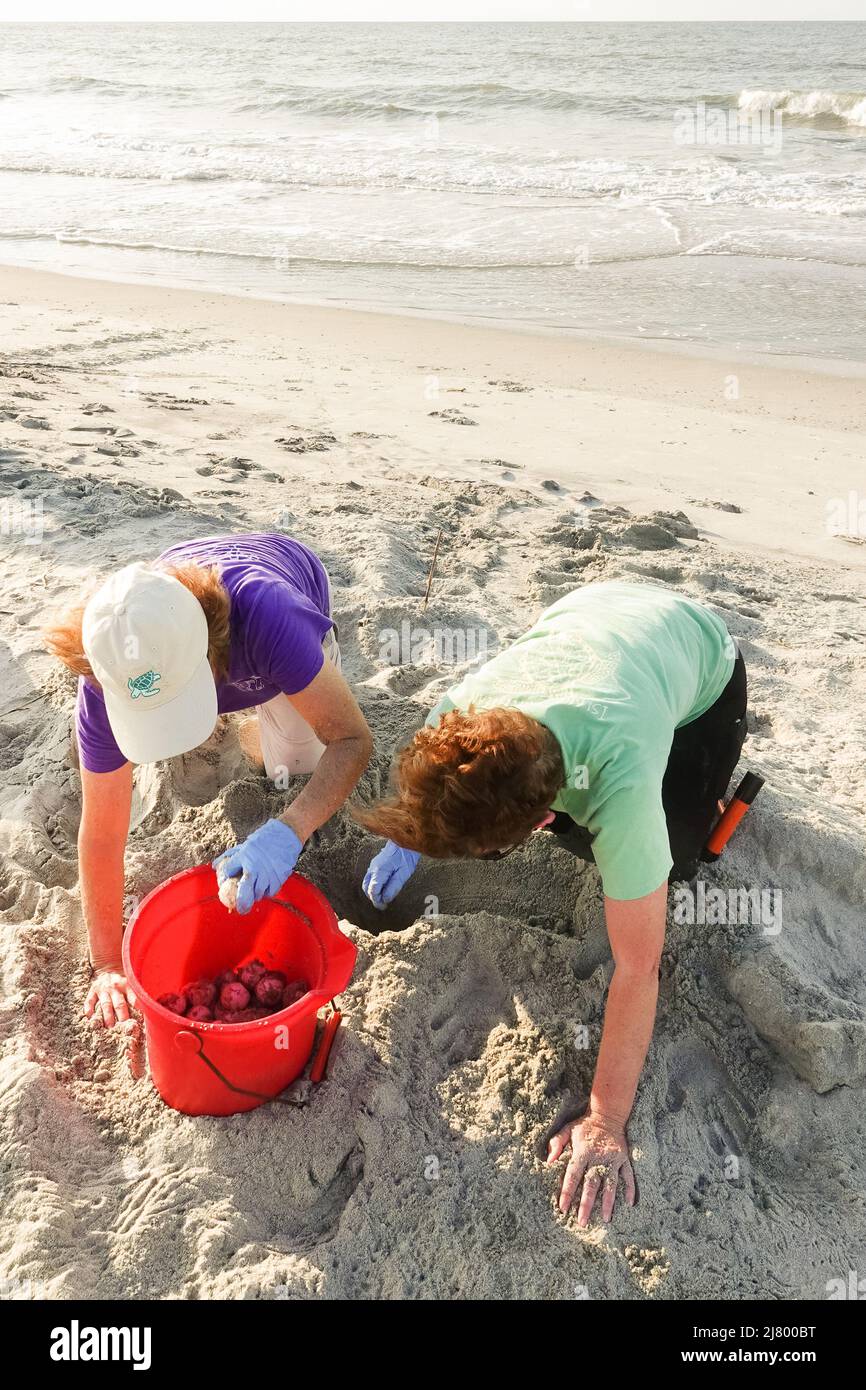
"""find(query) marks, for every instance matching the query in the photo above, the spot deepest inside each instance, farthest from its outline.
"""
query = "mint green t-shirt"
(612, 670)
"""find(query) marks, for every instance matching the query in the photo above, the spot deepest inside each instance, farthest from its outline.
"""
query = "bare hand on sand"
(599, 1157)
(107, 1005)
(109, 999)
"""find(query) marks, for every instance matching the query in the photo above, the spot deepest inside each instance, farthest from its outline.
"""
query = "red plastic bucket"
(182, 932)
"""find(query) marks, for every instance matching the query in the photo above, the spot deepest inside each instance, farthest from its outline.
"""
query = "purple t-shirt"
(279, 617)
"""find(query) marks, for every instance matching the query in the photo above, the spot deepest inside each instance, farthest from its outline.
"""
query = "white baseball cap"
(146, 638)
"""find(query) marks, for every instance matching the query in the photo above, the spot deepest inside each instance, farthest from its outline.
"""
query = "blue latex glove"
(387, 873)
(263, 862)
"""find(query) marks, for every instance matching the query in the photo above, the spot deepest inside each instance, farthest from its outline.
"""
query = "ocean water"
(696, 183)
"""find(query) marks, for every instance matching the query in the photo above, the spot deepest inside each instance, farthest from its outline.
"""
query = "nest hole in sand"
(538, 885)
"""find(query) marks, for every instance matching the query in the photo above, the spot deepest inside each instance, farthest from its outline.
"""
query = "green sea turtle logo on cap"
(145, 684)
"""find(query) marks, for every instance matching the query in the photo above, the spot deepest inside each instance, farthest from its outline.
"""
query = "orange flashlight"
(732, 815)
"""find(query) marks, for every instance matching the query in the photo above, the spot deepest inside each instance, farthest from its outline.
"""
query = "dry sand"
(141, 416)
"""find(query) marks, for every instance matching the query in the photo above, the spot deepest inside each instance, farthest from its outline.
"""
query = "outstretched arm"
(329, 707)
(106, 798)
(599, 1146)
(637, 933)
(267, 857)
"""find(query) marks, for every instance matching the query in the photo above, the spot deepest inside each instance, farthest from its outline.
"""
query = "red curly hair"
(479, 781)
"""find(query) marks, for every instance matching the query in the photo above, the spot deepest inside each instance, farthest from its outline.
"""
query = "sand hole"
(536, 885)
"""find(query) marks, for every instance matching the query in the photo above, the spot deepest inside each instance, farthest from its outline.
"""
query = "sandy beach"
(135, 416)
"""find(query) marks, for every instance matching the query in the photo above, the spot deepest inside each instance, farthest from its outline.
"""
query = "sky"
(430, 10)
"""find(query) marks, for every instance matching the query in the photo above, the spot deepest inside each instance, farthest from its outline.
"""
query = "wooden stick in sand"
(432, 568)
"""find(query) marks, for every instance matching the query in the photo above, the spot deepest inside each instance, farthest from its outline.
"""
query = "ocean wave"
(440, 99)
(492, 262)
(716, 180)
(71, 170)
(111, 87)
(445, 261)
(751, 244)
(782, 246)
(848, 108)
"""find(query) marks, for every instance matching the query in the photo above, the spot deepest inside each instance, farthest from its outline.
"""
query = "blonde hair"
(63, 636)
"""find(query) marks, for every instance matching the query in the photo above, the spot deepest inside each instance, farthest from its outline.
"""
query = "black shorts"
(700, 765)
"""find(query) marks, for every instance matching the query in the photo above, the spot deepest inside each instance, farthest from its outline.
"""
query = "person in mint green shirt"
(615, 722)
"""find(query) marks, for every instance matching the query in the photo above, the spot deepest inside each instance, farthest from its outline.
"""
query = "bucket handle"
(316, 1074)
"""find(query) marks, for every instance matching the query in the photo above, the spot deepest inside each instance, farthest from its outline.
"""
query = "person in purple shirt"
(160, 651)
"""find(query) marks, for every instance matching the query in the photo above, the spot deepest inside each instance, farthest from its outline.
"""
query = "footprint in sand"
(703, 1099)
(121, 449)
(469, 1010)
(169, 402)
(648, 535)
(307, 444)
(662, 574)
(452, 417)
(710, 502)
(227, 470)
